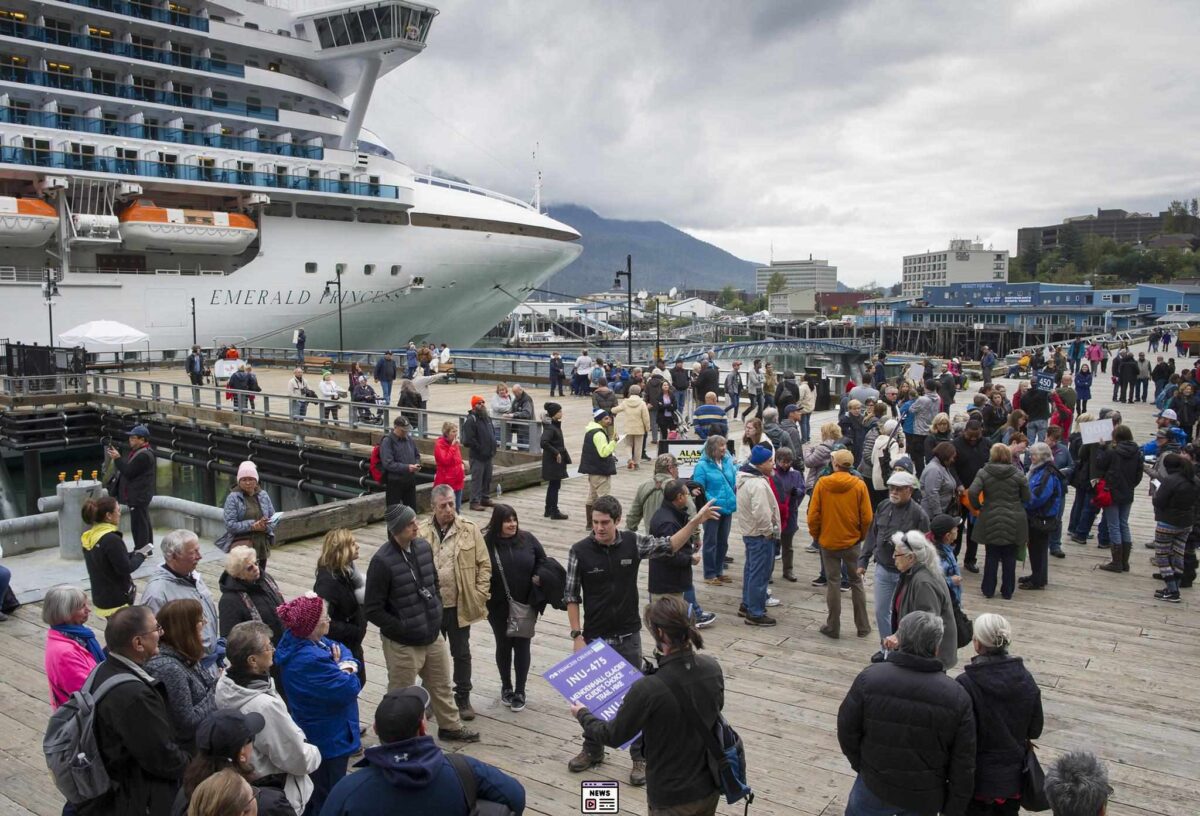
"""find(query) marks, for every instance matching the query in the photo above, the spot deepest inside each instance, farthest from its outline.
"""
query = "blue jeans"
(386, 386)
(735, 399)
(694, 609)
(1083, 514)
(864, 803)
(805, 428)
(760, 558)
(5, 580)
(457, 501)
(1143, 390)
(716, 544)
(1116, 520)
(300, 355)
(680, 398)
(1036, 430)
(886, 582)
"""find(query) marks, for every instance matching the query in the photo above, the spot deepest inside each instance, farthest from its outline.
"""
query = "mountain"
(663, 256)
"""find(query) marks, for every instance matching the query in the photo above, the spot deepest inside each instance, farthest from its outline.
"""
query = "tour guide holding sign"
(602, 572)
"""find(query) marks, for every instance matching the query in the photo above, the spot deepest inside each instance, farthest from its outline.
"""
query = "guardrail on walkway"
(512, 434)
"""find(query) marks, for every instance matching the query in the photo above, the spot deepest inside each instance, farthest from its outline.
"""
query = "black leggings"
(506, 649)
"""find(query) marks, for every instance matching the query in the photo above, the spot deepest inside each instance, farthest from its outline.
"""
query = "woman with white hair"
(1008, 713)
(72, 649)
(922, 588)
(1047, 491)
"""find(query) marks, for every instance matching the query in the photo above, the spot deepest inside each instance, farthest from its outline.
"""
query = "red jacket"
(449, 464)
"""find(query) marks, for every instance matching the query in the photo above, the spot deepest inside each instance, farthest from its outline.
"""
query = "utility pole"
(193, 321)
(49, 292)
(627, 273)
(338, 283)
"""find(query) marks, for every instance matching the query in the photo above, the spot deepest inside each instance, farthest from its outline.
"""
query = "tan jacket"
(757, 509)
(635, 416)
(471, 565)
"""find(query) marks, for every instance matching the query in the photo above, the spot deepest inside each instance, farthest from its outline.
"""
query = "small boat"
(148, 227)
(26, 222)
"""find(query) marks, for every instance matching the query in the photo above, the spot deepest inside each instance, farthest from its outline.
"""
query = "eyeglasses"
(157, 630)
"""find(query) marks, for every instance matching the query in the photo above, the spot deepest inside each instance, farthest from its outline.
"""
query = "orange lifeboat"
(147, 227)
(26, 222)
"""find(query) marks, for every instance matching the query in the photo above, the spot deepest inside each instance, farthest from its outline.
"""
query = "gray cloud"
(859, 131)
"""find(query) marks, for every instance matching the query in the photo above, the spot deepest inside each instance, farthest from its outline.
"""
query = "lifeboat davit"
(147, 227)
(26, 222)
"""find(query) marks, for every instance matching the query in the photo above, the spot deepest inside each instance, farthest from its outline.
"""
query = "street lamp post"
(627, 273)
(193, 321)
(337, 281)
(49, 292)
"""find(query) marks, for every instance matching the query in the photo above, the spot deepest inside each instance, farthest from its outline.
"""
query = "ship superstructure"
(157, 158)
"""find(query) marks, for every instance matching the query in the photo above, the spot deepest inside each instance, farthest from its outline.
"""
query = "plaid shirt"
(647, 547)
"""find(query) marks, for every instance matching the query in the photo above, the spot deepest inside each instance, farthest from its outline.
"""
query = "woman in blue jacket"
(321, 680)
(1083, 387)
(716, 472)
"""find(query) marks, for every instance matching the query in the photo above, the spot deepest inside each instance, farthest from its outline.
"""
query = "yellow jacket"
(462, 551)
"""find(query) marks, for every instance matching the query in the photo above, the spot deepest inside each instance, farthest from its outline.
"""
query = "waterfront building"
(963, 261)
(814, 273)
(1121, 226)
(833, 304)
(793, 303)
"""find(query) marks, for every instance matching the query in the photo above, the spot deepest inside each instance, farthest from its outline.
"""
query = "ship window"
(273, 66)
(178, 9)
(368, 269)
(58, 67)
(20, 62)
(369, 216)
(395, 270)
(311, 267)
(102, 33)
(252, 26)
(339, 269)
(279, 209)
(19, 16)
(253, 103)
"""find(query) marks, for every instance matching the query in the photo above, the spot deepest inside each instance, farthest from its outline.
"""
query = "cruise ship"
(203, 171)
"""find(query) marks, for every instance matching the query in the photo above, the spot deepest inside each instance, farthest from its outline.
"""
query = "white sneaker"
(773, 601)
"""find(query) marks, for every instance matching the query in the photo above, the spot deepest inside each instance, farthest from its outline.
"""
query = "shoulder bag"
(522, 618)
(726, 753)
(1033, 782)
(470, 785)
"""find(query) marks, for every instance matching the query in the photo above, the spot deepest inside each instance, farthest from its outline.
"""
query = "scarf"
(82, 635)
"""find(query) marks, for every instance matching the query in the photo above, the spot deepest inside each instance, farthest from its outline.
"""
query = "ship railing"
(71, 82)
(316, 411)
(108, 45)
(434, 181)
(14, 274)
(507, 365)
(136, 130)
(145, 11)
(192, 172)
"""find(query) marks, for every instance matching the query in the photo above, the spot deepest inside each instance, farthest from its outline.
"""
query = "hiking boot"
(761, 620)
(465, 712)
(584, 760)
(742, 613)
(463, 734)
(558, 515)
(637, 774)
(829, 632)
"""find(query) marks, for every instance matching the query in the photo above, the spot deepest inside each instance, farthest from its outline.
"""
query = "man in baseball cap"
(408, 773)
(598, 461)
(135, 483)
(898, 513)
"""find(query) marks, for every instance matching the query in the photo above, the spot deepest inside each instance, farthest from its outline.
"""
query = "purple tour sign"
(596, 676)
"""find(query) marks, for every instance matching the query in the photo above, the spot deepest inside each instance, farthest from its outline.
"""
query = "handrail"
(144, 11)
(435, 181)
(513, 434)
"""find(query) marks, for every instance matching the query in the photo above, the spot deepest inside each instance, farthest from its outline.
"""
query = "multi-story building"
(1121, 226)
(962, 262)
(811, 274)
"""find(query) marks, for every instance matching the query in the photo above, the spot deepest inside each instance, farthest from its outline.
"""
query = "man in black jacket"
(400, 461)
(385, 375)
(194, 365)
(908, 730)
(677, 760)
(136, 483)
(479, 436)
(403, 599)
(602, 574)
(970, 454)
(133, 731)
(673, 576)
(680, 383)
(707, 380)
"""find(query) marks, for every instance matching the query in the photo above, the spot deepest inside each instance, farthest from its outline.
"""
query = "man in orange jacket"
(839, 515)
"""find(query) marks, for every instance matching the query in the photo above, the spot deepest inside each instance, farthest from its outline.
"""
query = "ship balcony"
(137, 130)
(70, 82)
(170, 14)
(108, 45)
(135, 168)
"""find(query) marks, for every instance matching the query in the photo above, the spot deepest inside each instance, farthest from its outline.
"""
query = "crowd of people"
(244, 695)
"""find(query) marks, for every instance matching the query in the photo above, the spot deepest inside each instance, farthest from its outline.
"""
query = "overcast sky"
(854, 131)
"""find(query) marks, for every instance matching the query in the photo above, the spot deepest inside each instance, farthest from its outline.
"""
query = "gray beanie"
(399, 516)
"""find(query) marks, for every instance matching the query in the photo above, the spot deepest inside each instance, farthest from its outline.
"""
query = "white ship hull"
(472, 280)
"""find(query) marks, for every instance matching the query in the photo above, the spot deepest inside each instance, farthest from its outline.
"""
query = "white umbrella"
(103, 332)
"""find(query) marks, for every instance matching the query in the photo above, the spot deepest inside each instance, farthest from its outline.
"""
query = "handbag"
(966, 628)
(522, 618)
(1033, 782)
(726, 753)
(1043, 524)
(1101, 495)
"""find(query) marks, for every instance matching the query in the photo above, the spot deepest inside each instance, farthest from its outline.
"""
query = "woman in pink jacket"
(72, 650)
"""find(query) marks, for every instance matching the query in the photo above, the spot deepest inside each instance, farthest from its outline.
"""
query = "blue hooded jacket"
(719, 480)
(322, 698)
(413, 776)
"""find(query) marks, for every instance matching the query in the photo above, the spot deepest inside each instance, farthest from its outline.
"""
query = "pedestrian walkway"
(1116, 669)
